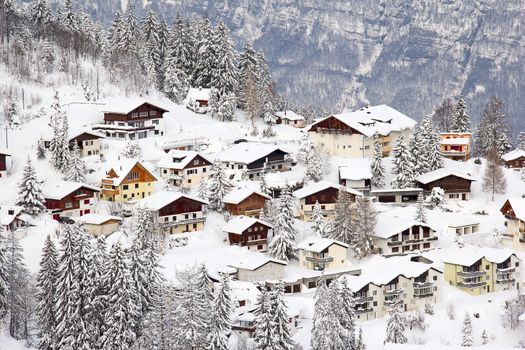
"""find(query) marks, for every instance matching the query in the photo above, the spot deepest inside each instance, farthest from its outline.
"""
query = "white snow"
(318, 244)
(59, 189)
(238, 224)
(122, 105)
(176, 159)
(247, 152)
(122, 167)
(161, 199)
(319, 186)
(238, 195)
(514, 154)
(432, 176)
(355, 169)
(97, 219)
(468, 255)
(254, 262)
(289, 115)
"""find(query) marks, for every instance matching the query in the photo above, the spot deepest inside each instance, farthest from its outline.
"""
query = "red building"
(248, 232)
(67, 198)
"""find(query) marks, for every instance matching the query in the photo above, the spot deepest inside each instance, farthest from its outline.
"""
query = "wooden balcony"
(183, 222)
(320, 260)
(471, 273)
(397, 291)
(471, 284)
(505, 281)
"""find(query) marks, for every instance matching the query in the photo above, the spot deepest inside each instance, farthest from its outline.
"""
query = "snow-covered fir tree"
(40, 12)
(40, 149)
(360, 342)
(218, 186)
(421, 215)
(317, 219)
(3, 272)
(362, 241)
(263, 185)
(221, 322)
(285, 233)
(226, 74)
(227, 106)
(494, 181)
(132, 150)
(460, 118)
(305, 145)
(29, 192)
(493, 131)
(46, 284)
(484, 337)
(403, 167)
(202, 190)
(467, 338)
(377, 167)
(326, 331)
(343, 224)
(395, 327)
(314, 165)
(343, 308)
(262, 336)
(520, 143)
(59, 145)
(431, 157)
(76, 170)
(417, 151)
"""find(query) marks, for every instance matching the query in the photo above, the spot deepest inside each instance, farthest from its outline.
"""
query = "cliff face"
(406, 53)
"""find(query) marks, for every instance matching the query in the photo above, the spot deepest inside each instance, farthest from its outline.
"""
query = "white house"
(357, 174)
(197, 100)
(290, 118)
(184, 168)
(258, 268)
(12, 218)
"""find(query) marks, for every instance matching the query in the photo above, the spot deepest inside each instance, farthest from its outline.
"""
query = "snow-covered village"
(160, 189)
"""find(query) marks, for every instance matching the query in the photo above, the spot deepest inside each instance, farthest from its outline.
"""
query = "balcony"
(320, 259)
(421, 295)
(363, 311)
(472, 284)
(397, 291)
(363, 300)
(394, 243)
(107, 182)
(257, 241)
(505, 269)
(423, 284)
(110, 191)
(431, 239)
(182, 222)
(522, 239)
(505, 281)
(471, 273)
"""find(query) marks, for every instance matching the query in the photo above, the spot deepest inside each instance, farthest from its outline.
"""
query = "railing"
(424, 295)
(472, 284)
(505, 269)
(431, 238)
(394, 243)
(363, 311)
(107, 181)
(362, 300)
(257, 241)
(183, 222)
(471, 273)
(423, 284)
(314, 259)
(334, 131)
(396, 291)
(505, 281)
(110, 190)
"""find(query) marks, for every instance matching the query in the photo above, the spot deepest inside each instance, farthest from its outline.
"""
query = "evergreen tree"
(76, 170)
(263, 185)
(40, 12)
(46, 284)
(484, 337)
(282, 340)
(59, 145)
(226, 75)
(29, 193)
(175, 83)
(213, 103)
(305, 145)
(47, 56)
(314, 165)
(460, 118)
(178, 55)
(317, 219)
(3, 272)
(205, 61)
(343, 226)
(40, 149)
(326, 331)
(421, 215)
(403, 167)
(342, 301)
(262, 335)
(221, 323)
(129, 33)
(395, 327)
(467, 339)
(227, 106)
(362, 242)
(417, 150)
(431, 148)
(218, 187)
(132, 150)
(360, 343)
(377, 167)
(285, 233)
(494, 178)
(493, 131)
(521, 141)
(247, 74)
(202, 191)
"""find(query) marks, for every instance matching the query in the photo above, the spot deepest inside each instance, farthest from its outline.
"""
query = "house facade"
(88, 142)
(12, 218)
(184, 168)
(456, 184)
(175, 212)
(3, 163)
(514, 159)
(356, 174)
(248, 232)
(514, 211)
(131, 119)
(317, 253)
(350, 135)
(126, 180)
(456, 145)
(197, 100)
(290, 118)
(100, 224)
(259, 268)
(69, 199)
(245, 202)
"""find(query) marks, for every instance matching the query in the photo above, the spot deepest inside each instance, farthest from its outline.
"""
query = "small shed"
(100, 224)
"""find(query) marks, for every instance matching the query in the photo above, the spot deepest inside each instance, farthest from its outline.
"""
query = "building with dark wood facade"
(68, 198)
(455, 184)
(3, 162)
(514, 159)
(245, 201)
(248, 232)
(88, 142)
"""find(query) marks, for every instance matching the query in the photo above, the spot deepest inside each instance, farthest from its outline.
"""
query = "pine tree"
(281, 339)
(247, 74)
(76, 170)
(484, 337)
(202, 190)
(47, 56)
(460, 118)
(218, 187)
(314, 165)
(213, 103)
(29, 193)
(326, 331)
(341, 297)
(205, 61)
(395, 327)
(262, 335)
(305, 145)
(417, 151)
(263, 185)
(46, 284)
(377, 167)
(343, 226)
(521, 141)
(226, 76)
(40, 149)
(59, 145)
(493, 131)
(132, 150)
(3, 272)
(403, 167)
(494, 178)
(362, 242)
(221, 322)
(467, 339)
(421, 215)
(227, 106)
(40, 12)
(129, 33)
(431, 157)
(175, 83)
(178, 52)
(317, 219)
(285, 233)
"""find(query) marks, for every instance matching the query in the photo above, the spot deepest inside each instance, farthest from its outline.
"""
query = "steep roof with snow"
(78, 132)
(248, 152)
(389, 224)
(8, 213)
(438, 174)
(290, 115)
(518, 207)
(97, 219)
(321, 186)
(318, 244)
(468, 255)
(238, 224)
(161, 199)
(5, 152)
(355, 169)
(514, 154)
(237, 196)
(59, 189)
(177, 159)
(255, 261)
(122, 168)
(382, 119)
(455, 141)
(197, 94)
(124, 105)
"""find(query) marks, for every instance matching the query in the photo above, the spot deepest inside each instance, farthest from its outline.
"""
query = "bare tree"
(442, 116)
(494, 178)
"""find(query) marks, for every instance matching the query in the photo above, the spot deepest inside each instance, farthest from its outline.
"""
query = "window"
(125, 187)
(156, 132)
(155, 122)
(203, 170)
(195, 162)
(374, 292)
(487, 267)
(134, 115)
(395, 250)
(153, 112)
(125, 196)
(136, 186)
(165, 171)
(517, 263)
(239, 166)
(69, 205)
(86, 201)
(133, 175)
(166, 219)
(426, 245)
(143, 114)
(375, 303)
(435, 278)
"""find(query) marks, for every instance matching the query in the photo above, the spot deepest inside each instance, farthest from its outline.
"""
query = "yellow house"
(317, 253)
(126, 180)
(478, 271)
(456, 145)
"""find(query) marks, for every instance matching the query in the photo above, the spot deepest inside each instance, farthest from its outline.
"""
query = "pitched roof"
(320, 186)
(161, 199)
(79, 132)
(5, 152)
(318, 244)
(388, 224)
(518, 207)
(97, 219)
(121, 105)
(469, 254)
(122, 167)
(514, 154)
(8, 213)
(382, 119)
(255, 261)
(435, 175)
(455, 141)
(185, 158)
(59, 189)
(197, 94)
(238, 195)
(247, 152)
(355, 169)
(238, 224)
(290, 115)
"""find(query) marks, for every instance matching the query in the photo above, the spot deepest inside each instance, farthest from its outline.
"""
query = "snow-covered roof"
(455, 221)
(254, 261)
(247, 152)
(79, 132)
(382, 119)
(389, 224)
(468, 255)
(435, 175)
(97, 219)
(123, 105)
(197, 94)
(355, 169)
(290, 115)
(455, 141)
(318, 244)
(5, 152)
(8, 213)
(198, 141)
(238, 224)
(161, 199)
(59, 189)
(515, 154)
(396, 190)
(320, 186)
(518, 207)
(122, 167)
(185, 158)
(237, 196)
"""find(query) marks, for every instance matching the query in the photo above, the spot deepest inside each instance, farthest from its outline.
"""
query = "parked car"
(66, 220)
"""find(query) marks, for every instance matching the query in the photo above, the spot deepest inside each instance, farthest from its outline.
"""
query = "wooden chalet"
(68, 198)
(176, 212)
(184, 168)
(455, 184)
(3, 162)
(248, 232)
(514, 211)
(88, 142)
(126, 180)
(290, 118)
(245, 202)
(13, 218)
(514, 159)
